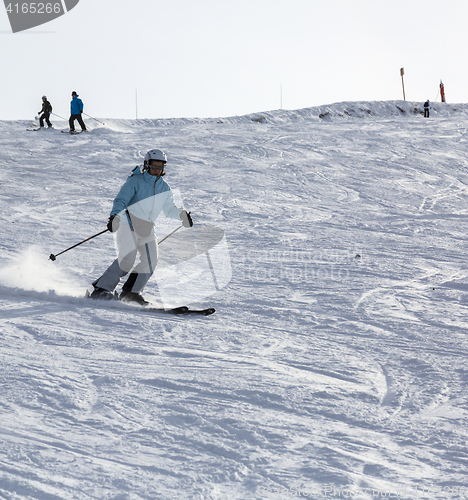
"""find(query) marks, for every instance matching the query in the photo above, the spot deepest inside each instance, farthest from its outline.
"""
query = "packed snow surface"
(336, 362)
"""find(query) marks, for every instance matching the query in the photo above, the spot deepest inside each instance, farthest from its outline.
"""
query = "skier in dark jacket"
(136, 207)
(76, 108)
(427, 107)
(45, 112)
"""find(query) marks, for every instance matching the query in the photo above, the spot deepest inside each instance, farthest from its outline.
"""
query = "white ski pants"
(129, 245)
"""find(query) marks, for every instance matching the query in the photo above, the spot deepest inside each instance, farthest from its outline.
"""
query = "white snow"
(335, 365)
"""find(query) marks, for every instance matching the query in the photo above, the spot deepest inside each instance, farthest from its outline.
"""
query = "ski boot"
(101, 294)
(127, 296)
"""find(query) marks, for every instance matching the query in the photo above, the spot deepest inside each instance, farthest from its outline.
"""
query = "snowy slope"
(335, 364)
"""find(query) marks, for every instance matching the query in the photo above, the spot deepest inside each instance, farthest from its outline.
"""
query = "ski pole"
(53, 257)
(170, 234)
(58, 116)
(94, 119)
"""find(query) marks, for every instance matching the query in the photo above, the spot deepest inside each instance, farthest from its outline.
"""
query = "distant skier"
(76, 109)
(427, 107)
(45, 112)
(135, 209)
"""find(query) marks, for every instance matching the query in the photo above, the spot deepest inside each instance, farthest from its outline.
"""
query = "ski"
(71, 132)
(180, 310)
(183, 310)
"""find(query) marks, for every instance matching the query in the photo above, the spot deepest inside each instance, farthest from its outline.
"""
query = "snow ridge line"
(341, 110)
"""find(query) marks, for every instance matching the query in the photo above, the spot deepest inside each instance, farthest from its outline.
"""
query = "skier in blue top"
(136, 207)
(76, 108)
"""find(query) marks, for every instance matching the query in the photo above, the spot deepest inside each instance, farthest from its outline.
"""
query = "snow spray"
(28, 270)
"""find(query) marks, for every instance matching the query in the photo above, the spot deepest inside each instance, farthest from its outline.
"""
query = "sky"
(214, 58)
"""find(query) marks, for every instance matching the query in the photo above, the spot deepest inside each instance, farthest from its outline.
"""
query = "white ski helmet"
(154, 154)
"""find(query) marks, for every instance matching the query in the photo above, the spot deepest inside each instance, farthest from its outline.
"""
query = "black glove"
(186, 219)
(114, 223)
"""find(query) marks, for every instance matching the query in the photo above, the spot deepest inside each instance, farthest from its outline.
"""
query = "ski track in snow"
(337, 355)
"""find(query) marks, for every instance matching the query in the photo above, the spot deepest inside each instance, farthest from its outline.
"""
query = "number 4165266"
(34, 8)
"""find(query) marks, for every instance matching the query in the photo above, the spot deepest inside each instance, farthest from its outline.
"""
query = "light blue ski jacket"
(145, 196)
(76, 106)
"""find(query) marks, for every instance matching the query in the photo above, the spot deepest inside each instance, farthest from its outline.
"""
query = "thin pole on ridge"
(402, 72)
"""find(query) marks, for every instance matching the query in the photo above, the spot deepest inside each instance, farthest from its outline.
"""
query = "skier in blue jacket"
(136, 207)
(76, 108)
